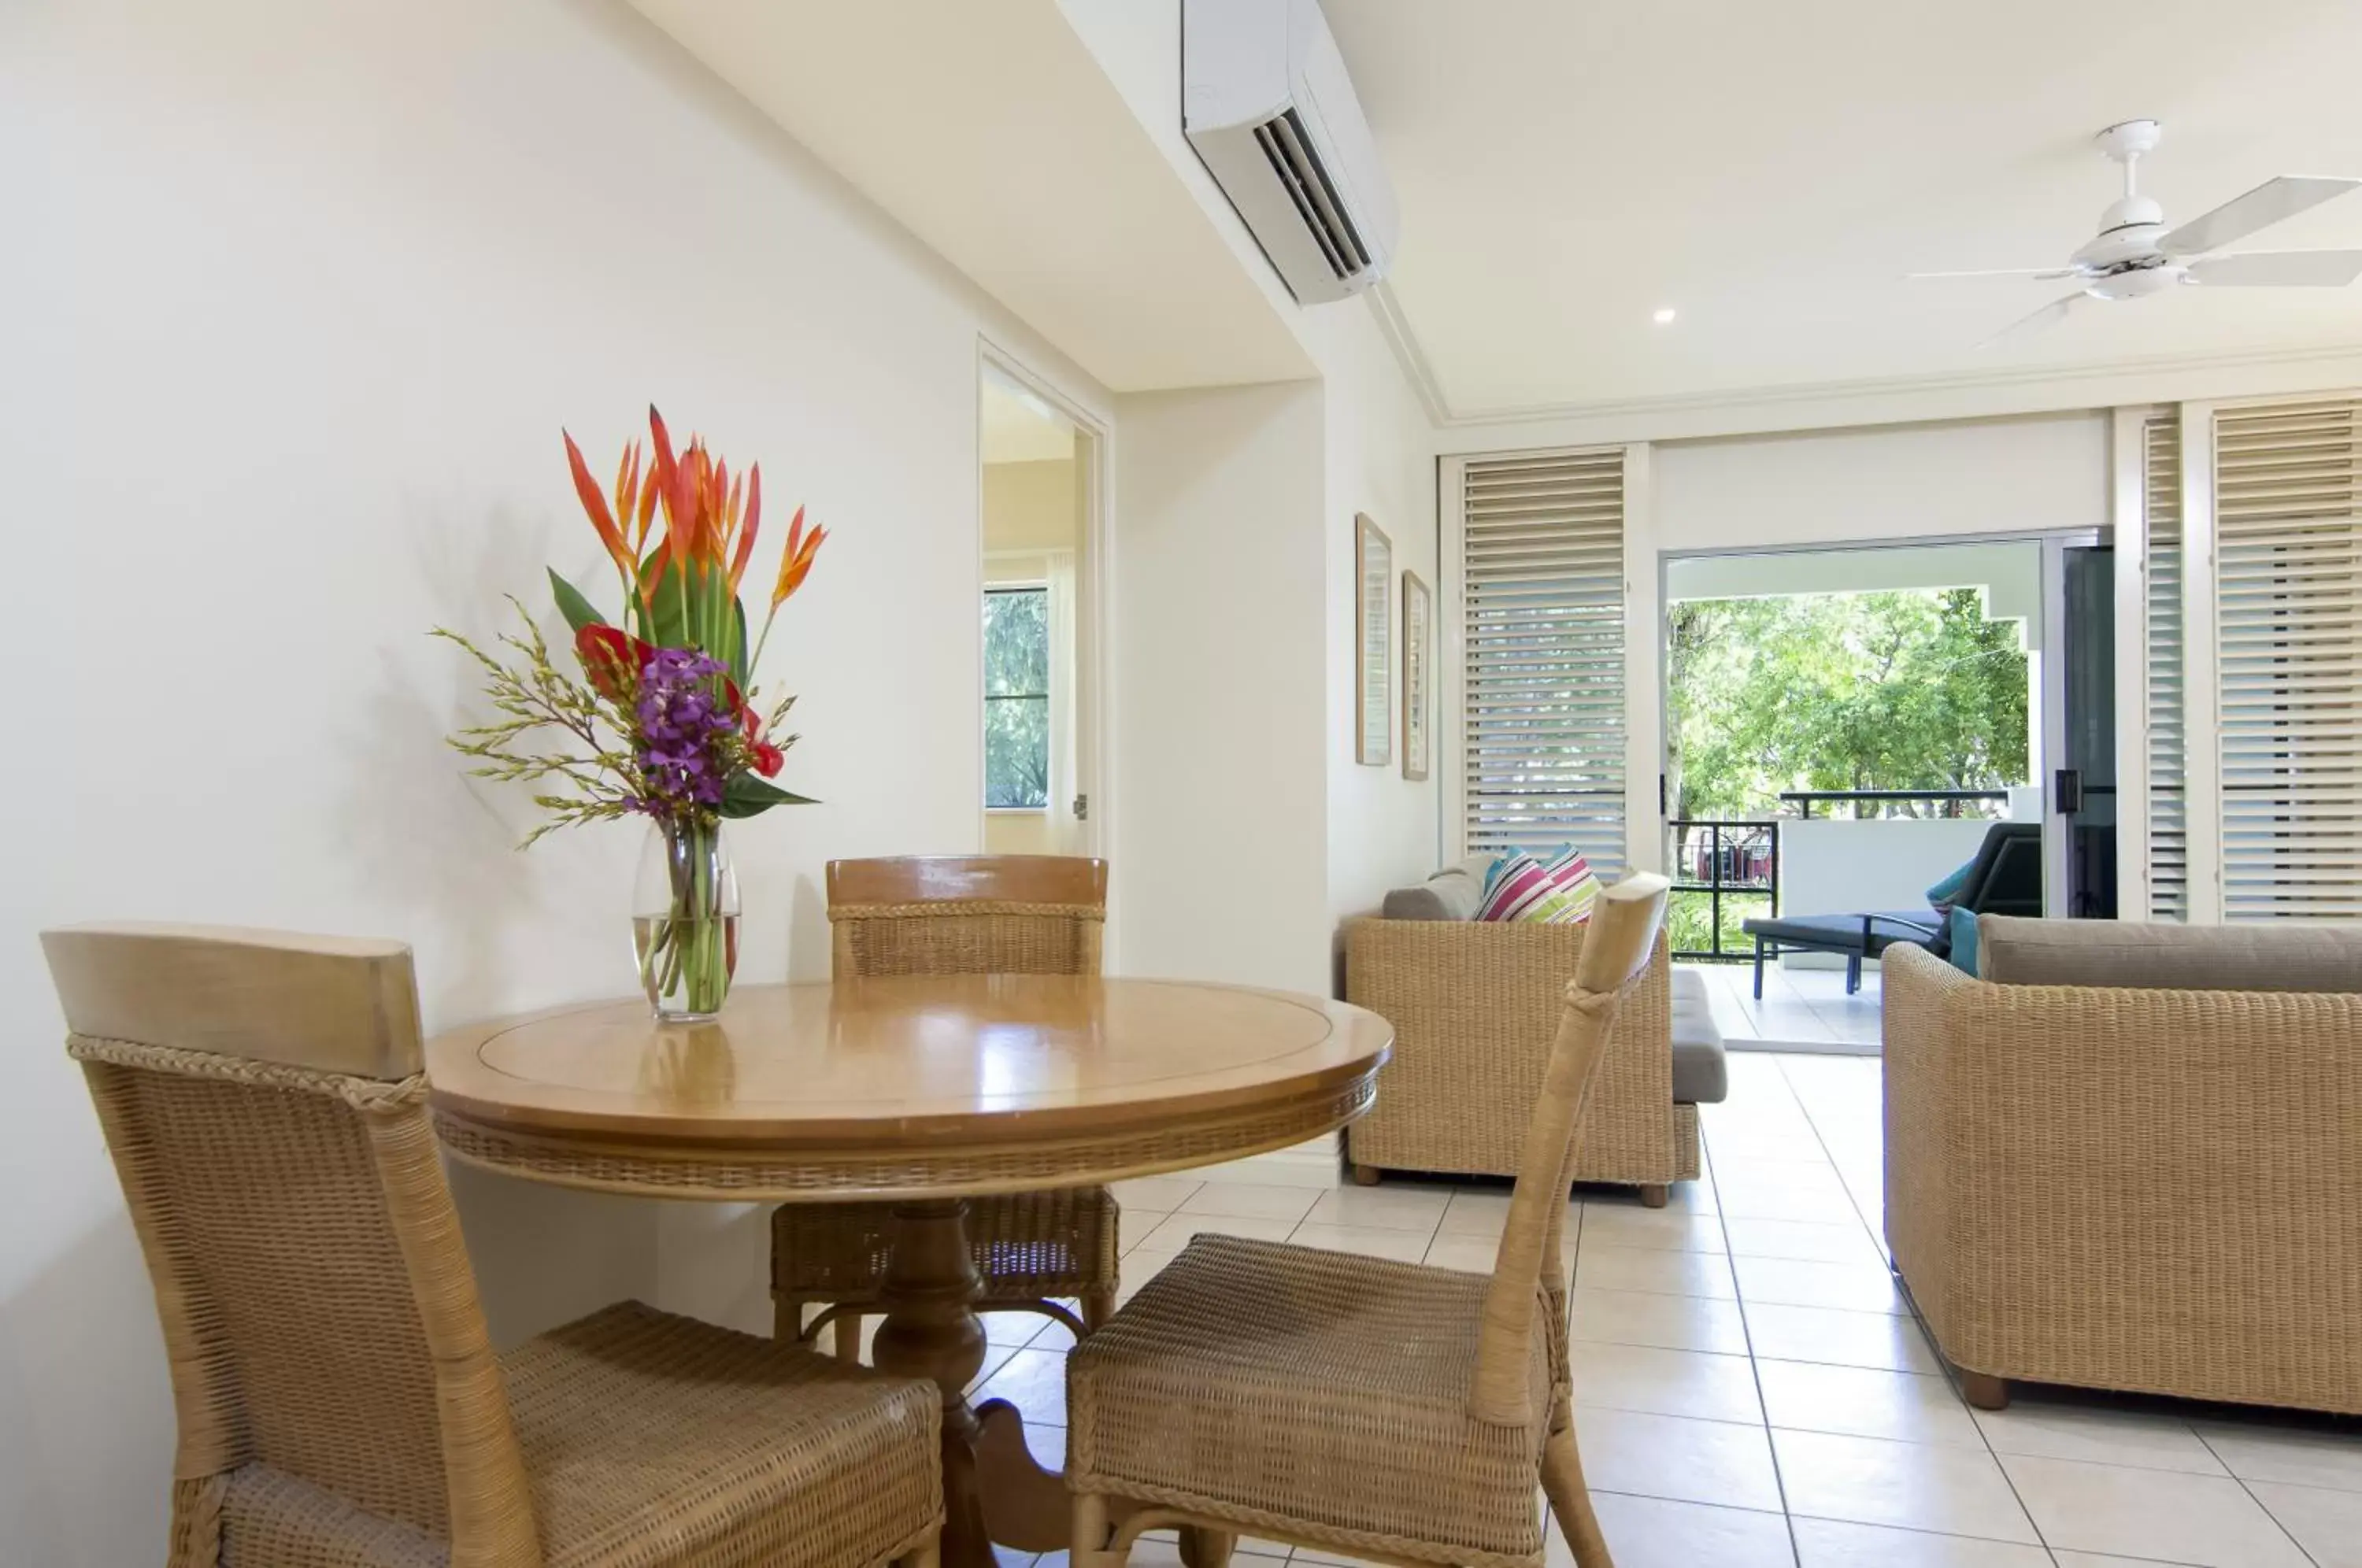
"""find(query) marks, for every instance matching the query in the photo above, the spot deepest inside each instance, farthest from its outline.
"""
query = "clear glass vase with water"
(685, 919)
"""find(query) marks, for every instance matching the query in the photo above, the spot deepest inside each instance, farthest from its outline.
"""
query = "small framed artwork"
(1373, 572)
(1418, 656)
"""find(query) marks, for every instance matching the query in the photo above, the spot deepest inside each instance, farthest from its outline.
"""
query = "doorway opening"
(1846, 727)
(1038, 723)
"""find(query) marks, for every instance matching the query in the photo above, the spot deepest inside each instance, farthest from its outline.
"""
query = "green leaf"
(572, 605)
(669, 626)
(747, 795)
(737, 661)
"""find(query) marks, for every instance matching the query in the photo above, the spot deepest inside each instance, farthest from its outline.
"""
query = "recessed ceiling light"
(1662, 314)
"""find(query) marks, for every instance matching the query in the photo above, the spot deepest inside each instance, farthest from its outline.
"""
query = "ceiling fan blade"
(2041, 321)
(2265, 205)
(2001, 273)
(2279, 269)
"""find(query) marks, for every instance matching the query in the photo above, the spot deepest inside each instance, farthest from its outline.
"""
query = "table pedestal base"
(993, 1489)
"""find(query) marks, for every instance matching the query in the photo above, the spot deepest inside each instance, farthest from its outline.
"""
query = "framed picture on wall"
(1373, 572)
(1419, 659)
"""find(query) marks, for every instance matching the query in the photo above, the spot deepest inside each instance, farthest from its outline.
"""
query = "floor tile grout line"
(1950, 1377)
(2302, 1551)
(1746, 1334)
(1956, 1535)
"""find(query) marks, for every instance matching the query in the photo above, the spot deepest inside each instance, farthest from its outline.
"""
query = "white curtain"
(1066, 835)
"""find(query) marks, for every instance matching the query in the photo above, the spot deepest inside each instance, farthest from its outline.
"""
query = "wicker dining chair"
(340, 1401)
(1006, 914)
(1354, 1405)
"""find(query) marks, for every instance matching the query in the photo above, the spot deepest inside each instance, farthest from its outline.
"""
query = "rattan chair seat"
(1311, 1392)
(650, 1438)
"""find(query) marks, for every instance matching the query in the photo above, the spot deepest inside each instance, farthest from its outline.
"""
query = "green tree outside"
(1017, 698)
(1897, 690)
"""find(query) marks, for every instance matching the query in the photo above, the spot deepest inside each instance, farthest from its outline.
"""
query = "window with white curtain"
(1542, 675)
(2288, 605)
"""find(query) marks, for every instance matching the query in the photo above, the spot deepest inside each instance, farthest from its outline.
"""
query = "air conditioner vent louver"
(1284, 143)
(1269, 109)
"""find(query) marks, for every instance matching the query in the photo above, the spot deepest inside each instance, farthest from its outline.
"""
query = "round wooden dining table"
(925, 1091)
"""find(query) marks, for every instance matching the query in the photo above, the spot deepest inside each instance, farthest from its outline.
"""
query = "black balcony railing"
(1948, 802)
(1724, 859)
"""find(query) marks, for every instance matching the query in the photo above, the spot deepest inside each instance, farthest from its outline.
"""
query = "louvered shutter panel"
(1542, 599)
(2288, 486)
(2168, 848)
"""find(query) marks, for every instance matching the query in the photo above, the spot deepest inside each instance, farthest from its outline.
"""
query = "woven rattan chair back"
(262, 1098)
(993, 914)
(1623, 933)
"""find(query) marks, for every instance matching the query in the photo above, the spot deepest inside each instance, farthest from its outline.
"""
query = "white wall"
(300, 296)
(1908, 482)
(1833, 865)
(1383, 828)
(1219, 866)
(1359, 830)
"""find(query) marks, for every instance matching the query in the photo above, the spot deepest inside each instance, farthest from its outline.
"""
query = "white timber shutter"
(1543, 618)
(2169, 846)
(2287, 598)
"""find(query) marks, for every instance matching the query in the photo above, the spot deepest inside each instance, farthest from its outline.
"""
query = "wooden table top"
(920, 1085)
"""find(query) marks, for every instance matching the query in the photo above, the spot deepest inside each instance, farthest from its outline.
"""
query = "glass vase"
(685, 919)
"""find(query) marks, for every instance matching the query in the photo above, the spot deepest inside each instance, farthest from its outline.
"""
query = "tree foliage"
(1017, 698)
(1884, 690)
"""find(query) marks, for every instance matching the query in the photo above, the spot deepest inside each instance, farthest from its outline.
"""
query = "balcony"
(1841, 852)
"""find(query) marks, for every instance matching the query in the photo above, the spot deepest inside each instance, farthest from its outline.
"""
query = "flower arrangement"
(663, 723)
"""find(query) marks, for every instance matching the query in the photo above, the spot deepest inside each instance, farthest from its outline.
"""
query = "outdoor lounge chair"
(2005, 879)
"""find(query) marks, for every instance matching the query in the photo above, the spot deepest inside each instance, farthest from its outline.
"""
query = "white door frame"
(2043, 750)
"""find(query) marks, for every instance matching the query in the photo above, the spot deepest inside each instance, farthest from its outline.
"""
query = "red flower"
(613, 658)
(767, 758)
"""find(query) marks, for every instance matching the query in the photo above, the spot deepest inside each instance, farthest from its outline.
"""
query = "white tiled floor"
(1752, 1392)
(1803, 1009)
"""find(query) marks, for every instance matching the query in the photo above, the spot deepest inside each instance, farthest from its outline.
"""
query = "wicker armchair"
(2129, 1158)
(1473, 1004)
(1016, 914)
(1356, 1405)
(340, 1404)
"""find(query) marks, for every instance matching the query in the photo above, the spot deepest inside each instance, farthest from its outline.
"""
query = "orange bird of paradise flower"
(712, 521)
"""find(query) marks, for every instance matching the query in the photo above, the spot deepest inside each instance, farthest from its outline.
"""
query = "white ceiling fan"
(2136, 255)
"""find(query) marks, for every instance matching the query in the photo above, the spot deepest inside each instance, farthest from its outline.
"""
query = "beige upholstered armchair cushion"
(2128, 956)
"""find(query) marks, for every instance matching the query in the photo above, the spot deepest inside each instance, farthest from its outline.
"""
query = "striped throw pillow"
(1558, 891)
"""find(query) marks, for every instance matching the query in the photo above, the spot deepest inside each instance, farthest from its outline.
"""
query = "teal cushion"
(1945, 891)
(1964, 940)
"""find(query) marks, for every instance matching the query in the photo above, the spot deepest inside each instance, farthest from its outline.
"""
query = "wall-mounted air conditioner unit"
(1266, 103)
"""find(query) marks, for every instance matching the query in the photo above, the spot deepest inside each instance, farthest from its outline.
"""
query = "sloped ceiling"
(991, 132)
